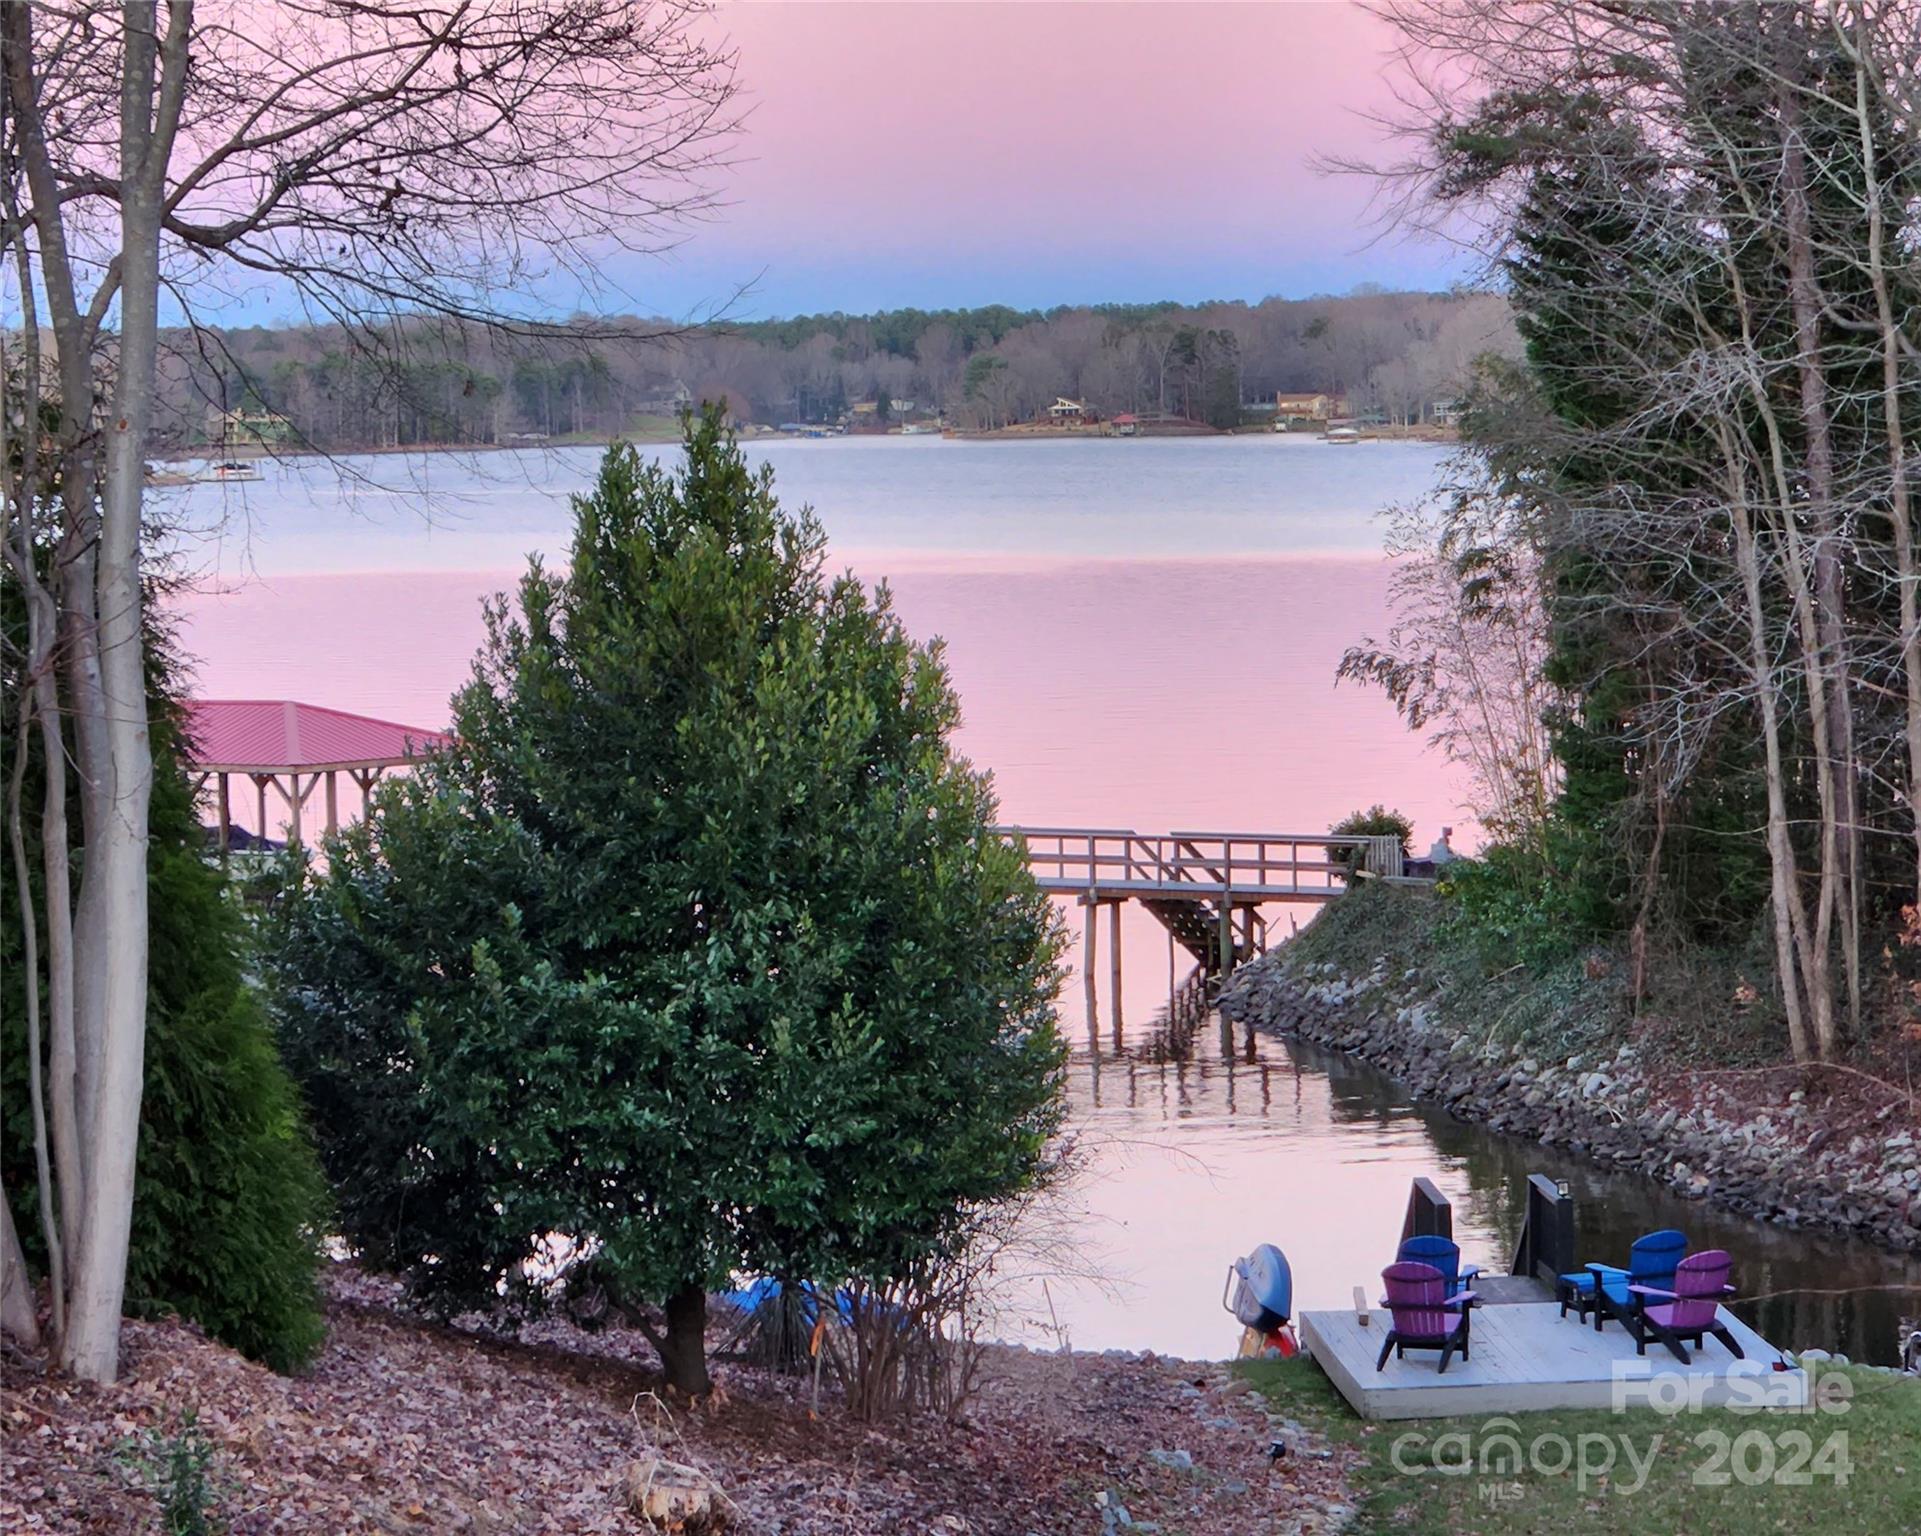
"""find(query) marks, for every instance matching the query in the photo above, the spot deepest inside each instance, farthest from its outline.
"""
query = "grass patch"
(1554, 1006)
(1705, 1005)
(1368, 922)
(1878, 1446)
(652, 429)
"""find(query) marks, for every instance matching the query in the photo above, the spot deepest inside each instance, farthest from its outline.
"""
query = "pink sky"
(936, 154)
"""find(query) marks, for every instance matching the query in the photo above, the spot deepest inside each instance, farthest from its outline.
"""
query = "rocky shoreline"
(1781, 1144)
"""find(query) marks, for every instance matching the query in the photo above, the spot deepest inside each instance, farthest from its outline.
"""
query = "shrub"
(1508, 910)
(230, 1203)
(1375, 821)
(177, 1472)
(696, 948)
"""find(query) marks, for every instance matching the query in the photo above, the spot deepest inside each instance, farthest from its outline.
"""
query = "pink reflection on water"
(1151, 694)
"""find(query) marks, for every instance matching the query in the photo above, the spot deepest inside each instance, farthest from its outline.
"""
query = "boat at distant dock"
(228, 471)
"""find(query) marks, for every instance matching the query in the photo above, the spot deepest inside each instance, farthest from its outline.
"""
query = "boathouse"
(291, 749)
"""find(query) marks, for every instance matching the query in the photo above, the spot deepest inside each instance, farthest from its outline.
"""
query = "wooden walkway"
(1527, 1356)
(1113, 864)
(1206, 888)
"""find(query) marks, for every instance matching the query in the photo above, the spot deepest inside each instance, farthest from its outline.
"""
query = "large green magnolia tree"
(696, 954)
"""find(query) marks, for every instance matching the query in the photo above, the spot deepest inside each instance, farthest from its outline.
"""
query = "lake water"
(1144, 633)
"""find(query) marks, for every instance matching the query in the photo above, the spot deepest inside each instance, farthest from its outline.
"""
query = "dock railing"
(1546, 1249)
(1108, 863)
(1428, 1212)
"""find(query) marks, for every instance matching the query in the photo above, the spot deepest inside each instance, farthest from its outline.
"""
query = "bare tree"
(1708, 210)
(376, 158)
(1465, 660)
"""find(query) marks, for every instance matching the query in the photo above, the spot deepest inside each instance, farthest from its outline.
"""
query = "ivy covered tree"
(695, 955)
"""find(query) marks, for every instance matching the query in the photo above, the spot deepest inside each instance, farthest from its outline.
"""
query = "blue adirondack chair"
(1445, 1255)
(1605, 1291)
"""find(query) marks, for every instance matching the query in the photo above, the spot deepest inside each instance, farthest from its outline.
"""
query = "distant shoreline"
(251, 453)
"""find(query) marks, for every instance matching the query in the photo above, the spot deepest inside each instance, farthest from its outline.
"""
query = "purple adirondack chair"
(1425, 1315)
(1689, 1311)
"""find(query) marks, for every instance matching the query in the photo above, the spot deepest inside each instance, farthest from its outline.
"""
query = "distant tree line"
(440, 381)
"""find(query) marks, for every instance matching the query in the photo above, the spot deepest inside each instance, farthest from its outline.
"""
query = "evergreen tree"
(695, 953)
(229, 1201)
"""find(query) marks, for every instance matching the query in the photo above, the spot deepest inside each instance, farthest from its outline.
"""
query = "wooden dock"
(1206, 888)
(1527, 1356)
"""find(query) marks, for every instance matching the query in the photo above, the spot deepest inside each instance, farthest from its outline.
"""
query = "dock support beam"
(1088, 958)
(1227, 937)
(1114, 963)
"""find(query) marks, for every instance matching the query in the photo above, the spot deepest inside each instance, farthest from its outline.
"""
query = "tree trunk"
(1813, 949)
(40, 696)
(117, 845)
(1807, 301)
(1788, 917)
(74, 562)
(1867, 85)
(683, 1349)
(1644, 911)
(18, 1320)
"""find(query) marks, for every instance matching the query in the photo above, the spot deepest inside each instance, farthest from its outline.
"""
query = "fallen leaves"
(404, 1426)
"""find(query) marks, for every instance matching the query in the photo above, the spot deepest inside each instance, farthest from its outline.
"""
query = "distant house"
(262, 429)
(1445, 413)
(679, 399)
(1311, 407)
(1065, 412)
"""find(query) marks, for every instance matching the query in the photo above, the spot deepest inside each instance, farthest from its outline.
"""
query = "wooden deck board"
(1526, 1356)
(1506, 1290)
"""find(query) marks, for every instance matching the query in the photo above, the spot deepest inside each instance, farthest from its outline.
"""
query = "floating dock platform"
(1527, 1356)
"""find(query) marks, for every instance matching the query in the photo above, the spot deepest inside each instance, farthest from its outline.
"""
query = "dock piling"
(1088, 959)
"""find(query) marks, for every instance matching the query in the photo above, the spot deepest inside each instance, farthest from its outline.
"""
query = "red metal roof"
(261, 735)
